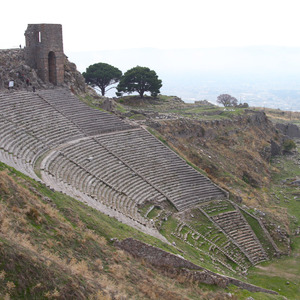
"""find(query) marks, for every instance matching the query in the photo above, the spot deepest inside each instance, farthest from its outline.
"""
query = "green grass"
(144, 208)
(165, 104)
(212, 204)
(206, 112)
(154, 212)
(191, 253)
(90, 101)
(276, 273)
(288, 171)
(137, 117)
(121, 108)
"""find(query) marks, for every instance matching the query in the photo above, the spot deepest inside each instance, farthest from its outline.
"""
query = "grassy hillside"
(54, 247)
(283, 275)
(164, 107)
(281, 116)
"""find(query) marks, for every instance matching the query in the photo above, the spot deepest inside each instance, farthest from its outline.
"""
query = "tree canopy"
(227, 100)
(102, 75)
(141, 80)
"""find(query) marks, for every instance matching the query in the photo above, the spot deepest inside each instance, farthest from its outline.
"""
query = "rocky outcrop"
(203, 103)
(249, 140)
(108, 105)
(14, 68)
(209, 130)
(275, 148)
(75, 81)
(291, 130)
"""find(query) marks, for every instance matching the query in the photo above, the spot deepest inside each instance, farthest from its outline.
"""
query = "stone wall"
(173, 264)
(44, 51)
(291, 130)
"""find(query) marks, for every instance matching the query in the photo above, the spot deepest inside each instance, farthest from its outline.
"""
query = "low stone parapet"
(175, 264)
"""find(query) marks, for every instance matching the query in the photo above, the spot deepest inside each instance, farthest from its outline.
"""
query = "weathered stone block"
(44, 51)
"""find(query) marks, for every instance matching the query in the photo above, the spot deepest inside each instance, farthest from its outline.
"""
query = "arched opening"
(52, 67)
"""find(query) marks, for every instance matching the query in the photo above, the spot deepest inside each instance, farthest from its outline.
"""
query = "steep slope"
(54, 247)
(235, 153)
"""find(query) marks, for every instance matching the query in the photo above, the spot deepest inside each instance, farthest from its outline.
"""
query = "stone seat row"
(24, 142)
(131, 211)
(105, 167)
(96, 159)
(152, 149)
(183, 188)
(39, 118)
(245, 242)
(55, 109)
(36, 118)
(89, 120)
(162, 168)
(251, 246)
(78, 112)
(17, 97)
(19, 164)
(92, 153)
(214, 235)
(123, 201)
(35, 113)
(236, 227)
(19, 142)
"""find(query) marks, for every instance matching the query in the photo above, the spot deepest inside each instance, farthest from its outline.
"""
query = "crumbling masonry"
(44, 51)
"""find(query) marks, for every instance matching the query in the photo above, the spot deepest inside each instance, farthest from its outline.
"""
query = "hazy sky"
(123, 24)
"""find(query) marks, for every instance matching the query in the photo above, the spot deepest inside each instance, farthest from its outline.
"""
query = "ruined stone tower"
(44, 51)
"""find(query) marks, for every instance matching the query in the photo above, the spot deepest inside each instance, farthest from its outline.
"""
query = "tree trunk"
(141, 94)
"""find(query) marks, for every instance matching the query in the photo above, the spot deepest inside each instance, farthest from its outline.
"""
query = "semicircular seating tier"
(90, 121)
(95, 153)
(29, 126)
(183, 186)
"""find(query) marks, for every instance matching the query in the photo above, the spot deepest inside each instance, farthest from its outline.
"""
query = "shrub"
(288, 145)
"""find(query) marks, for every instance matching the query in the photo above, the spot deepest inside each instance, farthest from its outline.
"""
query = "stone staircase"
(237, 228)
